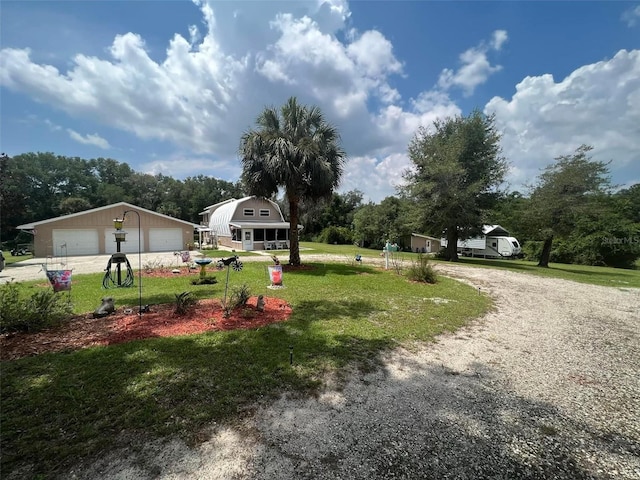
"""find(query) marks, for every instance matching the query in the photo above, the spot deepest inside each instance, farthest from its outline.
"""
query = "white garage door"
(165, 240)
(130, 246)
(78, 242)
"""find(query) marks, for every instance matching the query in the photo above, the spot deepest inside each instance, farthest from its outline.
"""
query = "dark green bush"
(338, 235)
(204, 281)
(532, 250)
(240, 296)
(185, 301)
(422, 271)
(42, 309)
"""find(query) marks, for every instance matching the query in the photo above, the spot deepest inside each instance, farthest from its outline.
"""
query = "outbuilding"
(91, 232)
(424, 243)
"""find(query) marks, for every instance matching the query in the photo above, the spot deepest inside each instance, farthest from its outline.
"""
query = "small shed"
(424, 243)
(91, 232)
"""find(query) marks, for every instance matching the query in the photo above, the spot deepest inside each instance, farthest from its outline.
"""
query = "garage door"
(130, 246)
(165, 239)
(77, 242)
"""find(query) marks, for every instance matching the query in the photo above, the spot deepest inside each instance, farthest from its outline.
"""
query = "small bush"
(19, 313)
(441, 254)
(240, 296)
(422, 271)
(204, 281)
(185, 302)
(337, 235)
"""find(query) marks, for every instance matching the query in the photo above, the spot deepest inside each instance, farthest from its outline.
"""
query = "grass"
(59, 408)
(609, 277)
(9, 259)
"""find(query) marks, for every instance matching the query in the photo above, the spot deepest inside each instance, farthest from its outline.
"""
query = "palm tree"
(296, 149)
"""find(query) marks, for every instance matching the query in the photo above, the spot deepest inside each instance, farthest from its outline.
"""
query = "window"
(264, 212)
(494, 244)
(235, 235)
(258, 235)
(248, 212)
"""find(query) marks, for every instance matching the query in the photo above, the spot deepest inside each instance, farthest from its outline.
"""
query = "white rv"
(494, 242)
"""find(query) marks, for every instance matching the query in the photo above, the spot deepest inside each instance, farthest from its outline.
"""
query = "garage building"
(91, 232)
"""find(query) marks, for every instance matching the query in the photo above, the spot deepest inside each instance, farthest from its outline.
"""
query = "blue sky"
(169, 86)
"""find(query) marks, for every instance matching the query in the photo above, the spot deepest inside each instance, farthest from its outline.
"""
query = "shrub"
(204, 281)
(532, 250)
(240, 296)
(185, 302)
(338, 235)
(42, 309)
(422, 271)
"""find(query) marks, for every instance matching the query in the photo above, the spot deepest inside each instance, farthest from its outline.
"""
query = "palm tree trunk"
(294, 247)
(546, 252)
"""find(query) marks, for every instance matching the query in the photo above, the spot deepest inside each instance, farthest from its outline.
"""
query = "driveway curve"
(544, 386)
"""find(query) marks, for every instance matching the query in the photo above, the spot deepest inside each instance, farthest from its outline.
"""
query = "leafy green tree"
(375, 224)
(628, 201)
(566, 191)
(337, 211)
(457, 169)
(296, 149)
(13, 196)
(73, 205)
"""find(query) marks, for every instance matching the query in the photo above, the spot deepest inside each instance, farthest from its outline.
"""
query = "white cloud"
(476, 68)
(631, 16)
(184, 100)
(597, 104)
(379, 175)
(91, 139)
(498, 38)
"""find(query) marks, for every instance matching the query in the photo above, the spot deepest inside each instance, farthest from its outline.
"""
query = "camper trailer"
(494, 242)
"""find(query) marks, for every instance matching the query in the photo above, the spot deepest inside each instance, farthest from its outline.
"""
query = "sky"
(170, 86)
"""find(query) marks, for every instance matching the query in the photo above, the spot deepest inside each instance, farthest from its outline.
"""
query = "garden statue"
(260, 303)
(105, 309)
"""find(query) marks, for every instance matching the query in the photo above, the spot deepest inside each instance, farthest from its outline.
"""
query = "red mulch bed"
(85, 331)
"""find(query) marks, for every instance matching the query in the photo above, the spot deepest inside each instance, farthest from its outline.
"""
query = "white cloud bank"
(210, 86)
(597, 104)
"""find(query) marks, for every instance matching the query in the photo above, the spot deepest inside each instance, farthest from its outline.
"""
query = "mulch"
(85, 331)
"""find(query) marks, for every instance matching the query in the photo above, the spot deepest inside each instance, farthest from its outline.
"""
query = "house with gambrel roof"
(249, 223)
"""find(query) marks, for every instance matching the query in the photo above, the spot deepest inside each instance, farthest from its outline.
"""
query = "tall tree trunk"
(546, 252)
(452, 243)
(294, 243)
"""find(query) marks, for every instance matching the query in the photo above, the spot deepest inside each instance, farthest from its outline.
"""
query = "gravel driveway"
(545, 386)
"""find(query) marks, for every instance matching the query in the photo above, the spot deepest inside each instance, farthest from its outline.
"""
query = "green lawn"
(9, 259)
(58, 408)
(609, 277)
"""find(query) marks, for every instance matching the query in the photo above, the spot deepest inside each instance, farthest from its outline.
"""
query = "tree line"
(571, 213)
(42, 185)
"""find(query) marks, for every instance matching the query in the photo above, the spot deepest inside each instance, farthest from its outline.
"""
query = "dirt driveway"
(545, 386)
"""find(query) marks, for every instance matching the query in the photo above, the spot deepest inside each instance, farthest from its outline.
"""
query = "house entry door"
(247, 240)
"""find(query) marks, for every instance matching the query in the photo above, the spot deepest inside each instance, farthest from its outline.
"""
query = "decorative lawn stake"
(231, 262)
(274, 273)
(358, 256)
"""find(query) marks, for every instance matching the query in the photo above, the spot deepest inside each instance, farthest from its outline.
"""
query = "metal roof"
(31, 226)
